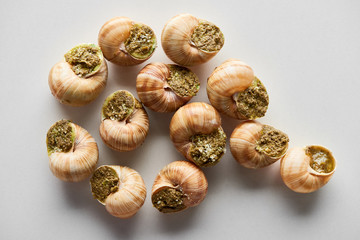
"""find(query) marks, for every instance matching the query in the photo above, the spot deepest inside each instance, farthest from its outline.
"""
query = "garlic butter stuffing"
(80, 77)
(196, 132)
(121, 189)
(166, 87)
(190, 41)
(124, 122)
(125, 42)
(234, 90)
(72, 151)
(178, 185)
(307, 169)
(256, 145)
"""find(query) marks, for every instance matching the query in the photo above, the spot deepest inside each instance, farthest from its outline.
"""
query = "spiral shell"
(298, 168)
(255, 145)
(153, 85)
(126, 196)
(176, 40)
(113, 37)
(234, 79)
(75, 90)
(198, 119)
(179, 185)
(128, 133)
(79, 160)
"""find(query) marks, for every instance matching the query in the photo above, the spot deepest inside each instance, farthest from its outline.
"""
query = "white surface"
(307, 55)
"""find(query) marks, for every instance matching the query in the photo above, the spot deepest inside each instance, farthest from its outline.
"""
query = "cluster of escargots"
(195, 128)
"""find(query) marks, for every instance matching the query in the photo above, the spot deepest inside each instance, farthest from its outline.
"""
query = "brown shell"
(73, 90)
(111, 40)
(80, 162)
(130, 197)
(154, 91)
(128, 134)
(230, 77)
(298, 175)
(193, 118)
(175, 40)
(243, 142)
(185, 176)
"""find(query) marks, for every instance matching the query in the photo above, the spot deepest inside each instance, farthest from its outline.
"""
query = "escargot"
(80, 77)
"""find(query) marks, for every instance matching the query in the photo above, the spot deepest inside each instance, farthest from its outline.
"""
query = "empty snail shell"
(189, 41)
(72, 151)
(307, 169)
(195, 130)
(125, 42)
(178, 185)
(121, 189)
(124, 122)
(234, 90)
(255, 145)
(166, 87)
(80, 77)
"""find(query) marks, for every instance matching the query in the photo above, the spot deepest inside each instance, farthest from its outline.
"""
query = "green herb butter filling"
(168, 200)
(322, 160)
(182, 81)
(253, 102)
(119, 105)
(84, 59)
(272, 142)
(207, 149)
(104, 182)
(60, 137)
(207, 37)
(141, 43)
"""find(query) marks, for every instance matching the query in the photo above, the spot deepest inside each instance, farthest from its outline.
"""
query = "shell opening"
(104, 182)
(60, 137)
(207, 37)
(207, 149)
(141, 43)
(84, 59)
(168, 200)
(182, 81)
(253, 102)
(119, 106)
(321, 159)
(272, 142)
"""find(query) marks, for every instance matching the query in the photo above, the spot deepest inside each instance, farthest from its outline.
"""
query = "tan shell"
(130, 197)
(128, 134)
(175, 40)
(298, 175)
(70, 89)
(111, 40)
(191, 119)
(243, 142)
(185, 176)
(154, 91)
(230, 77)
(79, 163)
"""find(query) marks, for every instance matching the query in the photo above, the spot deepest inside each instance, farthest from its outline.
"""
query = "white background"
(307, 53)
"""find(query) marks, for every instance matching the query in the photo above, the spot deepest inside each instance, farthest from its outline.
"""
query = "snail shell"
(77, 89)
(127, 133)
(158, 91)
(255, 145)
(121, 189)
(72, 157)
(307, 169)
(234, 90)
(178, 185)
(180, 44)
(196, 132)
(118, 38)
